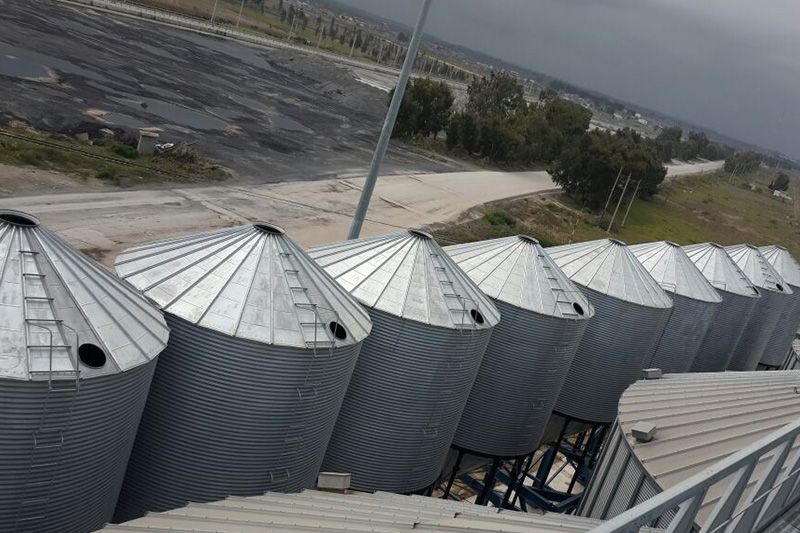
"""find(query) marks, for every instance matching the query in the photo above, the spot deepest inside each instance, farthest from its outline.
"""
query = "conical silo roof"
(757, 269)
(720, 270)
(56, 302)
(674, 271)
(608, 267)
(250, 282)
(783, 262)
(408, 275)
(516, 270)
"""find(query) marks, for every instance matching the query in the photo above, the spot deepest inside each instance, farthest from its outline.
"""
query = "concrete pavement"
(313, 213)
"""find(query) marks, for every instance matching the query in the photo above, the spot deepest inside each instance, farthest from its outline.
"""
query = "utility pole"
(388, 125)
(625, 188)
(321, 31)
(214, 11)
(291, 26)
(631, 204)
(241, 8)
(353, 48)
(610, 194)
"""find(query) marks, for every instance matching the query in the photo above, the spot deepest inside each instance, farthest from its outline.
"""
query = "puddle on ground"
(288, 124)
(180, 115)
(20, 63)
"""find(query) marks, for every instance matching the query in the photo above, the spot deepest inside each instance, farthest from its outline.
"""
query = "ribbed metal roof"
(607, 266)
(408, 275)
(516, 270)
(704, 417)
(757, 269)
(719, 269)
(251, 282)
(674, 271)
(783, 262)
(379, 512)
(54, 299)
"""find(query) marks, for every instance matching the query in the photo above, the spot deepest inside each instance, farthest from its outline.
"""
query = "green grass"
(22, 153)
(694, 209)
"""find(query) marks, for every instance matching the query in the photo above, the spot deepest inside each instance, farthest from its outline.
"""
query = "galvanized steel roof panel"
(406, 274)
(250, 282)
(379, 512)
(783, 262)
(674, 271)
(53, 295)
(607, 266)
(757, 269)
(517, 270)
(719, 269)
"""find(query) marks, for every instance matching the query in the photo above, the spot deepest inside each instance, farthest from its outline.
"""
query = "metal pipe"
(388, 125)
(453, 474)
(610, 194)
(631, 204)
(488, 483)
(621, 196)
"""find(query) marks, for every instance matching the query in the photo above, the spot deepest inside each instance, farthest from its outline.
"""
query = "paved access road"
(313, 213)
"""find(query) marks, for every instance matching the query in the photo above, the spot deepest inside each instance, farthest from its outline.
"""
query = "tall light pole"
(635, 192)
(388, 125)
(621, 196)
(214, 11)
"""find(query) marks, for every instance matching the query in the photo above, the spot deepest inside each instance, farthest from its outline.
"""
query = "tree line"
(497, 124)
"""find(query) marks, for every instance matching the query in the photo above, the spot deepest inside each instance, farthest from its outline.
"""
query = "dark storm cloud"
(730, 65)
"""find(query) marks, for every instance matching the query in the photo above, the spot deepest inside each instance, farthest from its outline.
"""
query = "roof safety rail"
(740, 509)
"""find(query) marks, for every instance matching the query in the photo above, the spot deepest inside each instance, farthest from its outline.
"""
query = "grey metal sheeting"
(531, 350)
(232, 417)
(776, 296)
(695, 304)
(739, 298)
(327, 512)
(245, 398)
(78, 482)
(631, 311)
(701, 419)
(77, 353)
(403, 404)
(785, 330)
(414, 374)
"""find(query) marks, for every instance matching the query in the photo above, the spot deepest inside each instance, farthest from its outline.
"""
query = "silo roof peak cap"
(18, 218)
(528, 238)
(617, 241)
(421, 234)
(269, 227)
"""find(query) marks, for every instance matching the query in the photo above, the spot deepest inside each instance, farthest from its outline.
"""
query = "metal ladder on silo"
(459, 307)
(315, 335)
(561, 302)
(56, 416)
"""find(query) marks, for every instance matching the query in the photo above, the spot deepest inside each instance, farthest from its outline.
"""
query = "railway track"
(86, 153)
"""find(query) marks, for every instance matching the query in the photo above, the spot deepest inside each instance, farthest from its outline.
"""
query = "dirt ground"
(268, 115)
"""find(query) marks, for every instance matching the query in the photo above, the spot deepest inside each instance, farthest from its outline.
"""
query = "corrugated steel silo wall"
(90, 464)
(619, 483)
(617, 342)
(403, 404)
(758, 331)
(685, 331)
(723, 336)
(784, 334)
(227, 416)
(530, 355)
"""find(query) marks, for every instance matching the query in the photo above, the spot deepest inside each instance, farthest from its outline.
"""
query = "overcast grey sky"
(729, 65)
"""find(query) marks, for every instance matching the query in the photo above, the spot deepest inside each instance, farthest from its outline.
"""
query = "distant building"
(642, 121)
(637, 115)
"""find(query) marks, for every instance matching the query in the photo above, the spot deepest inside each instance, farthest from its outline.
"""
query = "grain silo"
(631, 311)
(781, 340)
(246, 394)
(531, 349)
(776, 296)
(77, 353)
(739, 298)
(695, 304)
(412, 380)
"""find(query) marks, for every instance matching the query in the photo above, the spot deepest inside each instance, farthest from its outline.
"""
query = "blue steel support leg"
(488, 483)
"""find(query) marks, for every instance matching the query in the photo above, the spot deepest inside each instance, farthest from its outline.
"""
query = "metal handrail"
(777, 489)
